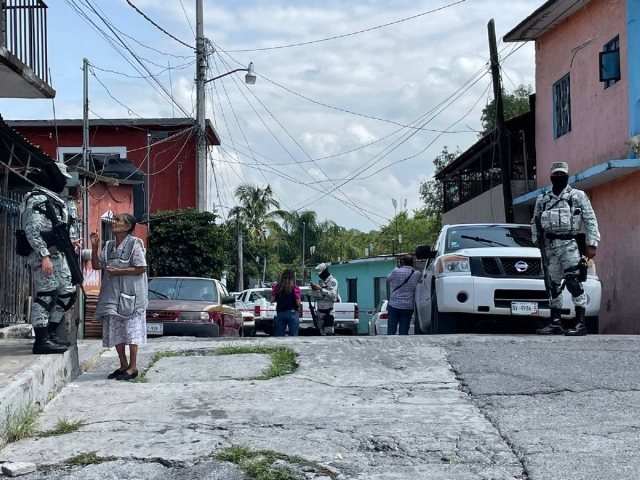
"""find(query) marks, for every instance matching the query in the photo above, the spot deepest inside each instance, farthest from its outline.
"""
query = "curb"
(42, 380)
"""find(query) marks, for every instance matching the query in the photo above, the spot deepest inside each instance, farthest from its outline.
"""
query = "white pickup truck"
(488, 272)
(346, 314)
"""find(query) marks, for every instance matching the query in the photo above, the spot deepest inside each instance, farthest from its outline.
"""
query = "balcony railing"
(23, 31)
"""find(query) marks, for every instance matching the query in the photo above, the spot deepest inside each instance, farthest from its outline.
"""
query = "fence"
(15, 278)
(23, 31)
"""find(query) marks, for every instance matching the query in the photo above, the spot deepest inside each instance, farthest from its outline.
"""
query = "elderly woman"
(123, 299)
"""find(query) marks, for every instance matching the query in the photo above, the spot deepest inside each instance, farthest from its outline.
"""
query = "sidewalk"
(28, 380)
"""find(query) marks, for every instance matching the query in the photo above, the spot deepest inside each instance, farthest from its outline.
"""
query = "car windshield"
(199, 289)
(487, 236)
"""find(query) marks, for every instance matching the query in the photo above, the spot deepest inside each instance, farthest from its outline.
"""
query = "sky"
(346, 167)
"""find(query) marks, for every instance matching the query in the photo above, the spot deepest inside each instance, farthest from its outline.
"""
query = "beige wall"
(489, 207)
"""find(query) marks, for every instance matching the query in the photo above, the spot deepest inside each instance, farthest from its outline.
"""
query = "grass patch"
(89, 458)
(64, 426)
(21, 424)
(283, 359)
(257, 463)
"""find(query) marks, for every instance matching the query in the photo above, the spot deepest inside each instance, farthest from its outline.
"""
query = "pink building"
(587, 113)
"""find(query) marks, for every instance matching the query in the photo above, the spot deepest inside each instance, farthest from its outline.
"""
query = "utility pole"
(497, 94)
(85, 149)
(240, 270)
(304, 234)
(147, 184)
(201, 137)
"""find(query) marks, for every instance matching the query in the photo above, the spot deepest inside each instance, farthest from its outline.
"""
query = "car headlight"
(190, 316)
(454, 264)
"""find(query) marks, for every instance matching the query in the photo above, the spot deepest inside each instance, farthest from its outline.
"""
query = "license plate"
(524, 308)
(155, 328)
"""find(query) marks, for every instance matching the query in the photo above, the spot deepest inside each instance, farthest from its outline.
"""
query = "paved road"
(450, 407)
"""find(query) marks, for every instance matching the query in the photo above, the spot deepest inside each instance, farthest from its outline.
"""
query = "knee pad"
(46, 300)
(574, 286)
(558, 290)
(66, 300)
(328, 320)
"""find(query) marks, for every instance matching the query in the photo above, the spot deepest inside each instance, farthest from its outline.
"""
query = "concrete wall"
(365, 271)
(618, 259)
(599, 117)
(489, 207)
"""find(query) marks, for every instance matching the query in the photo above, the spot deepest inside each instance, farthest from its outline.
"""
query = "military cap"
(560, 167)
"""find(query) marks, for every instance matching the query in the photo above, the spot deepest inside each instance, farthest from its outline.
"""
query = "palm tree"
(255, 210)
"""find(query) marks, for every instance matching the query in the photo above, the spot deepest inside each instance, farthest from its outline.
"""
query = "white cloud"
(398, 73)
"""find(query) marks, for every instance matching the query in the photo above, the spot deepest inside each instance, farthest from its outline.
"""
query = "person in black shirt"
(286, 294)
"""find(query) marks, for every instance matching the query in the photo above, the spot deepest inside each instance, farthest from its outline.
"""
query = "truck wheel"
(268, 331)
(593, 325)
(441, 323)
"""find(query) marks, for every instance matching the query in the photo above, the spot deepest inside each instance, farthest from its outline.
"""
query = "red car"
(201, 307)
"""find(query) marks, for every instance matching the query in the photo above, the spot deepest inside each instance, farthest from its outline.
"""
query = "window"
(352, 290)
(562, 107)
(197, 289)
(610, 63)
(106, 233)
(380, 290)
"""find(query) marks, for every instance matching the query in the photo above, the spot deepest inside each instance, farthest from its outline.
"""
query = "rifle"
(60, 236)
(314, 316)
(548, 283)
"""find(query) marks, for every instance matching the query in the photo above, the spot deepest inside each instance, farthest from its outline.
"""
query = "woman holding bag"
(123, 299)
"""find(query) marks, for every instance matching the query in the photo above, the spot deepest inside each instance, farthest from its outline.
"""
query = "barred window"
(562, 107)
(610, 63)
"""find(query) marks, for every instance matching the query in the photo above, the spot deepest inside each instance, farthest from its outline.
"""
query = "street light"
(249, 78)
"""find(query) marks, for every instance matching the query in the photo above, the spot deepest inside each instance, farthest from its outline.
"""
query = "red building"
(172, 171)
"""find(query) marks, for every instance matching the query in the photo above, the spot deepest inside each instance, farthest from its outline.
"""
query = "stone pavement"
(367, 408)
(380, 408)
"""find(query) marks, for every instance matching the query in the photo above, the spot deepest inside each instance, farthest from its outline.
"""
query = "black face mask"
(324, 275)
(559, 183)
(51, 178)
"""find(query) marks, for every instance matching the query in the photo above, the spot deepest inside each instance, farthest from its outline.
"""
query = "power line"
(158, 26)
(167, 69)
(187, 17)
(349, 34)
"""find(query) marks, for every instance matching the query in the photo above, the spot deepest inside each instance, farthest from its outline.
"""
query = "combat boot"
(580, 329)
(43, 345)
(555, 325)
(53, 336)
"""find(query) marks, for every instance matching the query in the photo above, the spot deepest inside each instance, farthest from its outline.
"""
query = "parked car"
(257, 299)
(484, 271)
(191, 306)
(379, 318)
(248, 319)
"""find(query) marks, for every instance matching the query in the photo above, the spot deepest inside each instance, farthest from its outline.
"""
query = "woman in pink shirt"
(287, 295)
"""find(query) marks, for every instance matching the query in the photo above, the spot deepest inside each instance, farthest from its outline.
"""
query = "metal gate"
(15, 277)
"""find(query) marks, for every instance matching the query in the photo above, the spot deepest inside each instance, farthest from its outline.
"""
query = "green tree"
(187, 243)
(515, 103)
(254, 208)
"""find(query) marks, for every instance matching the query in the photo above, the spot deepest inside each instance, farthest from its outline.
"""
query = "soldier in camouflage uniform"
(55, 294)
(326, 294)
(562, 212)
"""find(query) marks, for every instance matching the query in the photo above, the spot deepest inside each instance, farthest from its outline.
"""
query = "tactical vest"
(559, 217)
(23, 247)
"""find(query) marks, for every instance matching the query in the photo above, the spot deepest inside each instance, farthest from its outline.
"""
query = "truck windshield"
(488, 236)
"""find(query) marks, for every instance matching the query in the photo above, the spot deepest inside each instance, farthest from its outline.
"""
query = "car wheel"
(441, 323)
(593, 325)
(249, 332)
(416, 324)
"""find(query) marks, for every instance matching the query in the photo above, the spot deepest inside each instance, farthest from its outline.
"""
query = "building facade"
(587, 113)
(171, 143)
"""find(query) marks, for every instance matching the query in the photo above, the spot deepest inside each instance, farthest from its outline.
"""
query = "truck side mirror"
(424, 252)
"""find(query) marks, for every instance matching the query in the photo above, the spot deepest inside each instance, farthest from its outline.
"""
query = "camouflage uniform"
(55, 295)
(325, 300)
(562, 217)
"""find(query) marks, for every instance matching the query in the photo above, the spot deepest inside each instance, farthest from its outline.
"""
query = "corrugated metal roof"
(118, 122)
(545, 18)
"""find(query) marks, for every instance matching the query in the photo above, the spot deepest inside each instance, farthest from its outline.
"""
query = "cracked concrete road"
(379, 408)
